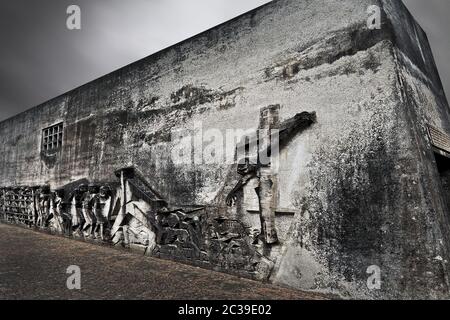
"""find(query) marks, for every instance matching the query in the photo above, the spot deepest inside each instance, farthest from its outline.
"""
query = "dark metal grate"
(52, 137)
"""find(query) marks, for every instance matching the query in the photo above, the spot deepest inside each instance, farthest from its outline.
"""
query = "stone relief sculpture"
(43, 206)
(133, 214)
(253, 168)
(16, 205)
(179, 234)
(76, 209)
(102, 205)
(87, 210)
(61, 220)
(136, 198)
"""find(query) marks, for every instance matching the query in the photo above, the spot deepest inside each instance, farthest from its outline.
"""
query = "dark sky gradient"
(41, 59)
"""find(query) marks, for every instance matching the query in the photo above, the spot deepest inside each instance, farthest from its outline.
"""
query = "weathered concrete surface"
(35, 268)
(362, 182)
(125, 118)
(375, 196)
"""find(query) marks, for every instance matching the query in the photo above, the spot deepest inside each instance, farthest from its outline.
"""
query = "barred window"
(52, 137)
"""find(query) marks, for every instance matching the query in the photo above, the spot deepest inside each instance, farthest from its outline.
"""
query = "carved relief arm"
(232, 196)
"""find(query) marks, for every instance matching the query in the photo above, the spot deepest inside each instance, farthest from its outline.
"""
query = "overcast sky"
(41, 59)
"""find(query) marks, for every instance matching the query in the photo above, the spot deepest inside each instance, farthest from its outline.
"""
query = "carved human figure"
(44, 199)
(264, 191)
(102, 203)
(76, 199)
(65, 213)
(265, 197)
(60, 217)
(87, 210)
(262, 170)
(247, 171)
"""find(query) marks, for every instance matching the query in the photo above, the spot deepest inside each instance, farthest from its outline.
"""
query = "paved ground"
(33, 266)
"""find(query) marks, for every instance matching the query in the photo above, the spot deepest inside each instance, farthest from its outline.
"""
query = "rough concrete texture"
(362, 181)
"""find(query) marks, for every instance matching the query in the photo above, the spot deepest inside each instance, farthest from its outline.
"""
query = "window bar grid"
(52, 137)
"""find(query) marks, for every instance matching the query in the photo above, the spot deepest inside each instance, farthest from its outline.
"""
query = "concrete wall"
(124, 117)
(372, 197)
(360, 184)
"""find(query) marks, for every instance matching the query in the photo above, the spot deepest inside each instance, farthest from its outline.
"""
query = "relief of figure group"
(132, 215)
(85, 212)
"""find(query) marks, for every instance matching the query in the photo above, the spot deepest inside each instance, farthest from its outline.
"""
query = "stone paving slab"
(33, 266)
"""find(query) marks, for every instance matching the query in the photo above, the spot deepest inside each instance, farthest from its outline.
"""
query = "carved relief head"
(93, 189)
(105, 191)
(82, 188)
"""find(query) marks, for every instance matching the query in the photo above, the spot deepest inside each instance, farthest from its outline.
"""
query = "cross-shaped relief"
(271, 138)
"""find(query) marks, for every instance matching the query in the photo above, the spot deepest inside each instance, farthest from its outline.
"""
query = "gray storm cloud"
(40, 58)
